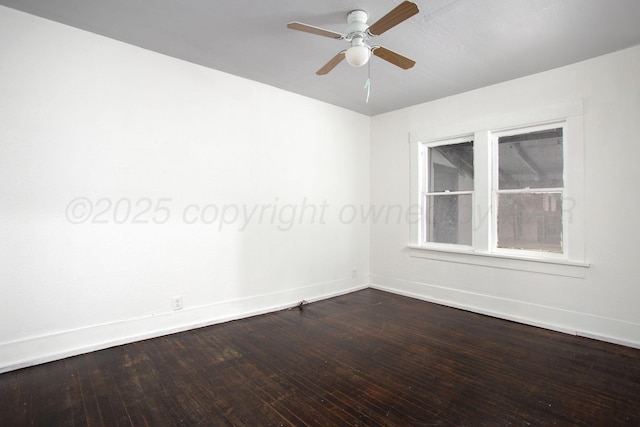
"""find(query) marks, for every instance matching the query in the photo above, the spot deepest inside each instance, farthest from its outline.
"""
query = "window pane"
(451, 167)
(531, 221)
(449, 218)
(531, 160)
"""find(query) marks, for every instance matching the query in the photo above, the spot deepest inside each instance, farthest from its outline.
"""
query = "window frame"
(496, 191)
(425, 180)
(572, 262)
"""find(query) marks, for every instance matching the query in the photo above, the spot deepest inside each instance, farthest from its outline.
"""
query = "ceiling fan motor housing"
(357, 20)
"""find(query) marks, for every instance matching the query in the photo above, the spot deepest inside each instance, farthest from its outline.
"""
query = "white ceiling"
(458, 45)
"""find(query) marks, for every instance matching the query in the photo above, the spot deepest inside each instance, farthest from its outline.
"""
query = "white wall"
(603, 303)
(86, 116)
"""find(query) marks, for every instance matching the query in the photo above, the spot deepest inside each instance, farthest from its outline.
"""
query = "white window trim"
(572, 262)
(502, 261)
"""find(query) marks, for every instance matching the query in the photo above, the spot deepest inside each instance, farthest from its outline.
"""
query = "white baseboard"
(42, 349)
(570, 322)
(36, 350)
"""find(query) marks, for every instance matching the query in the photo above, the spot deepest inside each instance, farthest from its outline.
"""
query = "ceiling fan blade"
(400, 13)
(314, 30)
(331, 64)
(393, 57)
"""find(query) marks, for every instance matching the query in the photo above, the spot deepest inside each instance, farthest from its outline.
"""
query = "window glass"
(451, 167)
(531, 160)
(449, 218)
(530, 221)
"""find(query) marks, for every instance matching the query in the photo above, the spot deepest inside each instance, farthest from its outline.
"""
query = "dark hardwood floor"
(368, 358)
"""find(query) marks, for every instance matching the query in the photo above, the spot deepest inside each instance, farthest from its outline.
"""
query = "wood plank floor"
(368, 358)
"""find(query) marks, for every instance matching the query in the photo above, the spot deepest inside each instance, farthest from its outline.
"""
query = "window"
(510, 193)
(449, 196)
(528, 189)
(523, 210)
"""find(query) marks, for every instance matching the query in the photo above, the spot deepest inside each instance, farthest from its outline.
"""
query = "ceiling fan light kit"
(357, 56)
(358, 34)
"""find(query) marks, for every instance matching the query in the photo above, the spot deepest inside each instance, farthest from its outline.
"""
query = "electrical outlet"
(354, 273)
(176, 303)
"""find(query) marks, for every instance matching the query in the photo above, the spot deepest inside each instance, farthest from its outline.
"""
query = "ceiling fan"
(358, 34)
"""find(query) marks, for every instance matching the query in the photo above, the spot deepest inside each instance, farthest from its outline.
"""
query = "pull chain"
(367, 84)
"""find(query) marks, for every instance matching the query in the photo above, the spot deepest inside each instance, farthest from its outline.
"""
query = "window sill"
(556, 267)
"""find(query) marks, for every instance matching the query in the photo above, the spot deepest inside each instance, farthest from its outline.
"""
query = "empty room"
(291, 213)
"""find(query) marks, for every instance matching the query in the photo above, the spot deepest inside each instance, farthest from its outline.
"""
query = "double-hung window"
(448, 201)
(528, 186)
(514, 192)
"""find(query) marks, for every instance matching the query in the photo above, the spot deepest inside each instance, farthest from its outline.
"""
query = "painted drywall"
(604, 302)
(128, 178)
